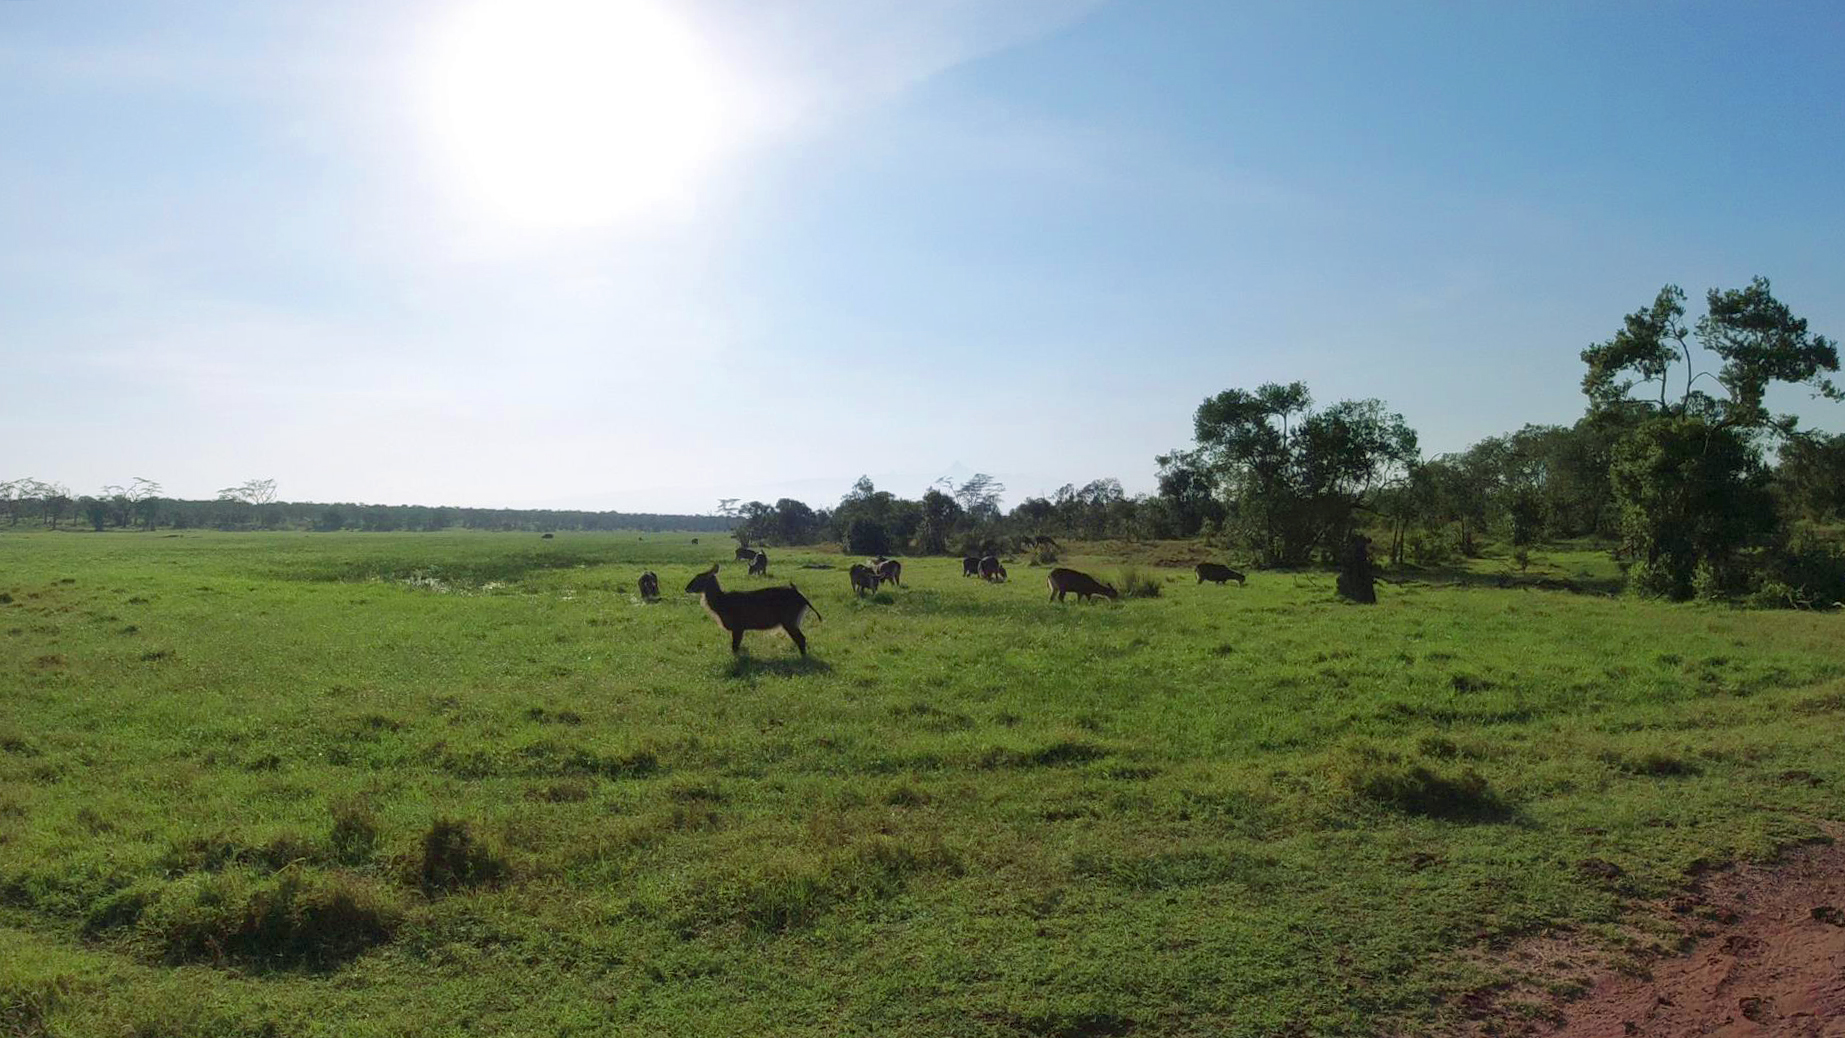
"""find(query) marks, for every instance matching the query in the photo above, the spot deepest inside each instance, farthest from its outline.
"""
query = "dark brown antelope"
(1218, 573)
(891, 570)
(864, 579)
(650, 585)
(760, 610)
(745, 554)
(970, 566)
(1063, 581)
(759, 566)
(990, 569)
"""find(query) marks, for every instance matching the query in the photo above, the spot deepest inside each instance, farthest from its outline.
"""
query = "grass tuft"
(453, 858)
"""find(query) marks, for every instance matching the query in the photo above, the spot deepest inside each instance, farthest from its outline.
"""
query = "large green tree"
(1688, 477)
(1297, 477)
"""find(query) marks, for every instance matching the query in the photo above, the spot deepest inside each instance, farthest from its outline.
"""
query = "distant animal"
(864, 579)
(891, 570)
(970, 566)
(761, 610)
(1063, 581)
(1218, 573)
(990, 569)
(745, 554)
(759, 566)
(547, 537)
(694, 540)
(650, 585)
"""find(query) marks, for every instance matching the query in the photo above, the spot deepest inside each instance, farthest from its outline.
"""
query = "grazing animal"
(1218, 573)
(745, 554)
(864, 579)
(759, 566)
(650, 585)
(1063, 581)
(891, 570)
(970, 566)
(990, 569)
(547, 537)
(761, 610)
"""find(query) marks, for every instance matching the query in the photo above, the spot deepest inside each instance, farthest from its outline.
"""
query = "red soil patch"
(1768, 959)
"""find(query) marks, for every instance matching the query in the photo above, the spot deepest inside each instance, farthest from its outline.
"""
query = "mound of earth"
(1768, 959)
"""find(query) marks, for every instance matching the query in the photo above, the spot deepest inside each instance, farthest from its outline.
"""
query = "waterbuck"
(650, 585)
(745, 554)
(990, 569)
(1067, 580)
(1218, 573)
(970, 566)
(761, 610)
(891, 570)
(759, 566)
(864, 579)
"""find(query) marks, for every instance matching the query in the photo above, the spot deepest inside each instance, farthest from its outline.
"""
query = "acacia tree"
(1296, 476)
(1688, 477)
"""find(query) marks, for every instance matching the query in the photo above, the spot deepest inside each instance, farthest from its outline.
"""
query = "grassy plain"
(430, 784)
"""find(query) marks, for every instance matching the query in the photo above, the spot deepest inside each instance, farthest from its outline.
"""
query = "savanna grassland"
(423, 784)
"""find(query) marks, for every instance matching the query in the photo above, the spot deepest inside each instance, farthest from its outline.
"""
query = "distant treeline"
(30, 501)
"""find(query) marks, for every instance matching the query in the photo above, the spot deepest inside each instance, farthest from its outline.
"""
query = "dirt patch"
(1767, 958)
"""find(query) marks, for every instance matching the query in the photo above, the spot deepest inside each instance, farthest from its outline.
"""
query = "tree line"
(252, 505)
(1676, 459)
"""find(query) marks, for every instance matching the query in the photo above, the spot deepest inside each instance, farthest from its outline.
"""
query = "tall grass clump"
(1416, 787)
(1135, 582)
(296, 918)
(453, 858)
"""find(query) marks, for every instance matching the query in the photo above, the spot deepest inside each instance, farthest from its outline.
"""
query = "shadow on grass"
(1455, 576)
(747, 666)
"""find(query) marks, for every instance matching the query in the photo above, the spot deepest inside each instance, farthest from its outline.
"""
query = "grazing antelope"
(650, 585)
(990, 569)
(970, 566)
(759, 566)
(760, 610)
(1218, 573)
(745, 554)
(1063, 581)
(864, 579)
(891, 570)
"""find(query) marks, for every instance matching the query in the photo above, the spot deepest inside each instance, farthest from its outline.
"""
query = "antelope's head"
(704, 582)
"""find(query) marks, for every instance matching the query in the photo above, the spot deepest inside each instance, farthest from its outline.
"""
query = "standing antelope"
(759, 566)
(891, 570)
(650, 586)
(970, 566)
(761, 610)
(745, 554)
(990, 569)
(1066, 580)
(1218, 573)
(864, 579)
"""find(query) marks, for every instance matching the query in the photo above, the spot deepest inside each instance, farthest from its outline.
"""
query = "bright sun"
(573, 113)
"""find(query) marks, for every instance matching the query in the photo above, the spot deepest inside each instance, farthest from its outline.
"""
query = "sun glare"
(574, 113)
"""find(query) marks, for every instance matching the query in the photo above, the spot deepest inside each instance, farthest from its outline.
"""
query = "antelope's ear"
(713, 569)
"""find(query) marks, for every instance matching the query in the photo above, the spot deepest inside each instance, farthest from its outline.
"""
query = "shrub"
(867, 537)
(1043, 555)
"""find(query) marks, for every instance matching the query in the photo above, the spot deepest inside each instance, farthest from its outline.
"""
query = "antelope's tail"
(810, 605)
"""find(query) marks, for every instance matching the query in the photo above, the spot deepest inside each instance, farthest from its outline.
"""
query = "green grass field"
(429, 784)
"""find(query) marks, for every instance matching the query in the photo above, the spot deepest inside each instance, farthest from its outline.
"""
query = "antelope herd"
(768, 608)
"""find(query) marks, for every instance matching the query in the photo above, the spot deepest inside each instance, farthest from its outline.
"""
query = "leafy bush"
(867, 537)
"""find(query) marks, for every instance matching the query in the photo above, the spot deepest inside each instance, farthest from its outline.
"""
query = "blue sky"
(785, 244)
